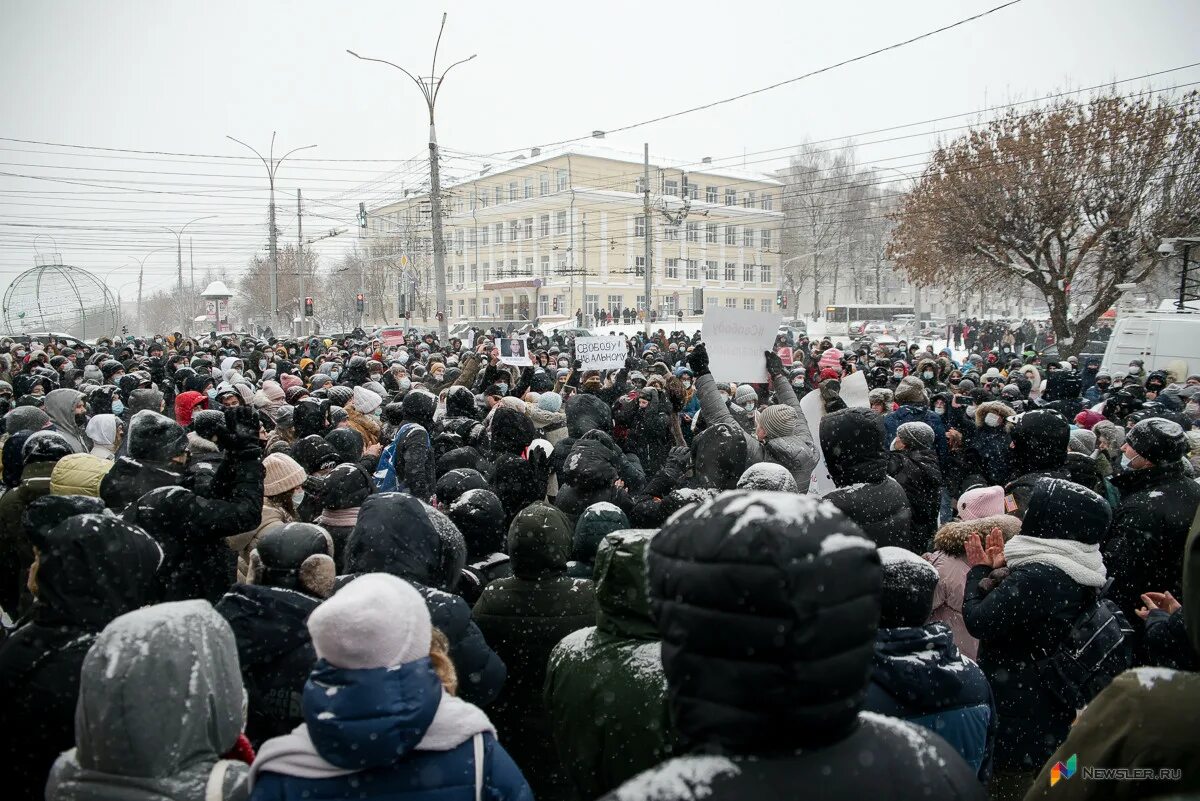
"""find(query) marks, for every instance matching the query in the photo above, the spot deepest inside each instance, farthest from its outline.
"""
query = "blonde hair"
(439, 655)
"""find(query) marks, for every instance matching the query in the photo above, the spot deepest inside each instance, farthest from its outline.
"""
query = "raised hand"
(975, 554)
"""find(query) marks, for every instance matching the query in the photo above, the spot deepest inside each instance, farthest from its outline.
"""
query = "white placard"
(854, 393)
(514, 352)
(601, 353)
(735, 340)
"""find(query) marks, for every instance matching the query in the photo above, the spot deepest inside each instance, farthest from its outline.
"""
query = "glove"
(577, 364)
(774, 363)
(241, 429)
(677, 462)
(698, 360)
(830, 388)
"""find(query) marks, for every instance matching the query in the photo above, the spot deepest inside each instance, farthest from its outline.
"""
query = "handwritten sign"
(735, 340)
(601, 353)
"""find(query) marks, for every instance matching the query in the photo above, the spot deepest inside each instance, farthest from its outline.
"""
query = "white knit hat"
(375, 621)
(366, 401)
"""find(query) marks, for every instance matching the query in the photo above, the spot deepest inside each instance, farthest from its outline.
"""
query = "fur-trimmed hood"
(952, 537)
(1000, 408)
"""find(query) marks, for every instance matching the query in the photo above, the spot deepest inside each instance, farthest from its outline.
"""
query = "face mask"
(992, 419)
(118, 408)
(970, 410)
(81, 418)
(687, 384)
(898, 373)
(940, 409)
(1103, 385)
(503, 388)
(724, 398)
(1134, 369)
(1125, 460)
(297, 497)
(262, 364)
(928, 376)
(749, 406)
(212, 394)
(405, 384)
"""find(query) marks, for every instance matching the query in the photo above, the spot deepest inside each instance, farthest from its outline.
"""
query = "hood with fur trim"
(952, 537)
(1000, 408)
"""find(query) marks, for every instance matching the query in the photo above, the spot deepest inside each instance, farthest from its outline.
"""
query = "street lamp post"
(179, 257)
(272, 164)
(141, 272)
(429, 90)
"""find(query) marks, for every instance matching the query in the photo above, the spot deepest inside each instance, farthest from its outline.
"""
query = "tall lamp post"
(429, 90)
(272, 165)
(141, 274)
(179, 257)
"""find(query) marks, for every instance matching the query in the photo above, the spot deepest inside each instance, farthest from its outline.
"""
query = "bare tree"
(1071, 199)
(815, 194)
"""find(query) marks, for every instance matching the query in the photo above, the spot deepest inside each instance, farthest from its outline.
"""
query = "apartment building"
(545, 235)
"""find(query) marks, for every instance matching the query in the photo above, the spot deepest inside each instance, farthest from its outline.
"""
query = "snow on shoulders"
(572, 646)
(911, 562)
(783, 507)
(686, 777)
(915, 737)
(840, 542)
(605, 506)
(1149, 676)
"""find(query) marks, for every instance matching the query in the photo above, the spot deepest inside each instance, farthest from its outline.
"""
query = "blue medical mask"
(118, 408)
(212, 394)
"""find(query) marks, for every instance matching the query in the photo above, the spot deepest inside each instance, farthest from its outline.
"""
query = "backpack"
(386, 478)
(1097, 648)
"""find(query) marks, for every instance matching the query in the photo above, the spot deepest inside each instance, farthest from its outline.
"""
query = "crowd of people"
(291, 569)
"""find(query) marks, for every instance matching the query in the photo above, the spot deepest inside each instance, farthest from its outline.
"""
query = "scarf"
(1081, 562)
(455, 722)
(339, 518)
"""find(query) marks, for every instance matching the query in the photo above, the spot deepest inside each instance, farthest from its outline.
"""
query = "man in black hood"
(400, 535)
(1040, 439)
(157, 450)
(90, 568)
(781, 591)
(853, 441)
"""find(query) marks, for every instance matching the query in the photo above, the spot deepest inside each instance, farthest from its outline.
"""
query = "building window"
(765, 238)
(730, 303)
(458, 239)
(615, 303)
(472, 306)
(473, 238)
(671, 233)
(670, 187)
(730, 197)
(731, 235)
(462, 274)
(748, 200)
(482, 196)
(564, 180)
(544, 183)
(562, 264)
(498, 195)
(512, 190)
(669, 304)
(512, 266)
(529, 187)
(528, 265)
(639, 266)
(513, 228)
(748, 273)
(560, 222)
(545, 266)
(487, 312)
(693, 191)
(767, 202)
(710, 233)
(730, 271)
(544, 224)
(639, 225)
(748, 237)
(764, 305)
(474, 276)
(710, 270)
(692, 270)
(712, 301)
(591, 303)
(483, 235)
(693, 232)
(462, 309)
(641, 302)
(529, 228)
(672, 268)
(499, 233)
(764, 273)
(543, 305)
(748, 304)
(710, 194)
(487, 276)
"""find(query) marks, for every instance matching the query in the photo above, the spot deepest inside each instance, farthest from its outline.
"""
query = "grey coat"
(794, 452)
(160, 699)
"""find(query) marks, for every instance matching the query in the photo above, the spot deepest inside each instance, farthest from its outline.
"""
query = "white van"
(1162, 340)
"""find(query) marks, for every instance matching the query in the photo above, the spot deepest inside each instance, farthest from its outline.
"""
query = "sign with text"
(514, 352)
(601, 353)
(736, 340)
(785, 356)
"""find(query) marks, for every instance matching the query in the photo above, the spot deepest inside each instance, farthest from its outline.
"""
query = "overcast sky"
(166, 75)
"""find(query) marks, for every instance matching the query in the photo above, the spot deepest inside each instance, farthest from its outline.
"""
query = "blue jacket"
(371, 721)
(909, 413)
(919, 675)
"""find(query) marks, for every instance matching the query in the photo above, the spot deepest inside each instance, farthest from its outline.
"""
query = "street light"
(179, 256)
(272, 164)
(141, 271)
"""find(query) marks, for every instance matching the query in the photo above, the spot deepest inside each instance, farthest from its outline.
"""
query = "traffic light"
(308, 307)
(362, 216)
(784, 303)
(359, 300)
(779, 297)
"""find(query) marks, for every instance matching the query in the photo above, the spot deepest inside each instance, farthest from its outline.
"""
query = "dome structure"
(62, 299)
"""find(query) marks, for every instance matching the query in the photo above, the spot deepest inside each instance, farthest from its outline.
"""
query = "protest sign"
(514, 352)
(601, 353)
(736, 340)
(785, 356)
(854, 393)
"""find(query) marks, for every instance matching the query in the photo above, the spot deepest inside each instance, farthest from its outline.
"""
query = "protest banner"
(736, 340)
(514, 352)
(785, 356)
(601, 353)
(854, 393)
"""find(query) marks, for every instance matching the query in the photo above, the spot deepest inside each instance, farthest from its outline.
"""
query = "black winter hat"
(1040, 439)
(46, 512)
(454, 483)
(285, 553)
(853, 441)
(1158, 440)
(45, 446)
(464, 457)
(541, 382)
(340, 396)
(393, 413)
(719, 455)
(347, 442)
(110, 368)
(314, 454)
(154, 437)
(1063, 510)
(460, 402)
(346, 487)
(479, 515)
(208, 423)
(419, 408)
(510, 431)
(908, 586)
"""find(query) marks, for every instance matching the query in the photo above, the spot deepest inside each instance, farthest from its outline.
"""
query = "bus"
(842, 320)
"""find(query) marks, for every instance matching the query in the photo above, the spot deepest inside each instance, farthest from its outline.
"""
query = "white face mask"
(749, 406)
(992, 419)
(297, 498)
(940, 409)
(1125, 460)
(928, 376)
(898, 374)
(687, 384)
(1134, 369)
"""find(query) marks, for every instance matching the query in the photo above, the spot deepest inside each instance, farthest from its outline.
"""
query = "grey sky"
(179, 76)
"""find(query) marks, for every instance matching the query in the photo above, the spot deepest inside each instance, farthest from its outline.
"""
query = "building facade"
(544, 237)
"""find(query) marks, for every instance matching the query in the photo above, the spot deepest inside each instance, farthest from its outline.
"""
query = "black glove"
(677, 462)
(630, 363)
(576, 365)
(830, 394)
(241, 429)
(774, 363)
(698, 360)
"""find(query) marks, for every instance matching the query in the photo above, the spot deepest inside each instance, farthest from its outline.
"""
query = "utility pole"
(141, 273)
(179, 266)
(300, 262)
(648, 228)
(191, 281)
(272, 164)
(430, 87)
(585, 297)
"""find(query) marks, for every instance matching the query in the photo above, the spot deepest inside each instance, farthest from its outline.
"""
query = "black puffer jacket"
(917, 471)
(461, 418)
(92, 568)
(584, 413)
(400, 535)
(853, 443)
(589, 471)
(781, 591)
(130, 479)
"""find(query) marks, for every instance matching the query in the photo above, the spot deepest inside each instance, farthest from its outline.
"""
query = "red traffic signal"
(308, 307)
